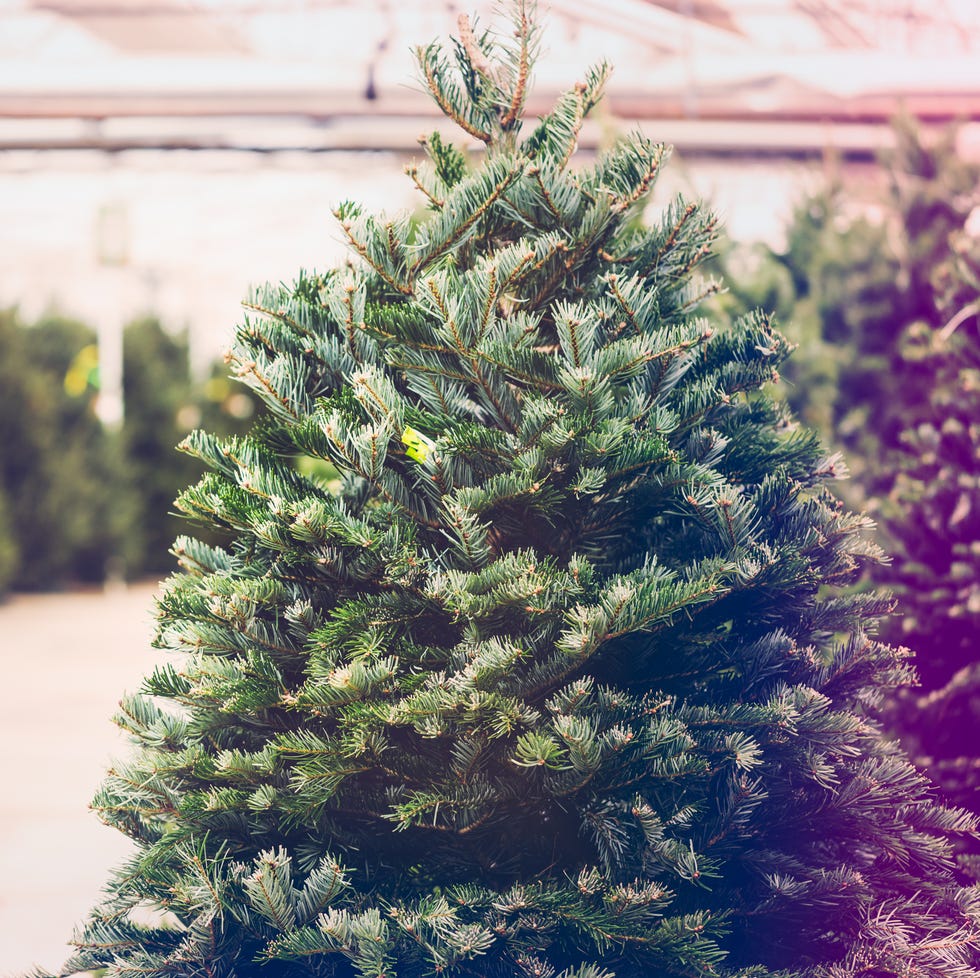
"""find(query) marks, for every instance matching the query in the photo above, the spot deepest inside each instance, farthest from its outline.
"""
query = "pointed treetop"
(486, 93)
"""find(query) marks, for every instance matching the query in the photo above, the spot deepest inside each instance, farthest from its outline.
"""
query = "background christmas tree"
(898, 274)
(931, 474)
(884, 312)
(56, 461)
(79, 500)
(559, 677)
(9, 552)
(163, 402)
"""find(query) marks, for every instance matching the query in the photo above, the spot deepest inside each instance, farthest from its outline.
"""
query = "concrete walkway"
(66, 660)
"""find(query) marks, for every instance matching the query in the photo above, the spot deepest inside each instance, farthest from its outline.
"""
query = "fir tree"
(56, 461)
(559, 678)
(893, 303)
(932, 518)
(863, 281)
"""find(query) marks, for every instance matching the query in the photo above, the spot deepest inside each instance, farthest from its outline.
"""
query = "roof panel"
(131, 27)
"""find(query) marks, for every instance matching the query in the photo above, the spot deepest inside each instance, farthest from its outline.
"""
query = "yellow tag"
(417, 446)
(83, 371)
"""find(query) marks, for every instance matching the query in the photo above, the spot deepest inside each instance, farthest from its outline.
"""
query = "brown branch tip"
(468, 39)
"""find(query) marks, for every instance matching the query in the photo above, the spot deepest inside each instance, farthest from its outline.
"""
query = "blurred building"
(218, 134)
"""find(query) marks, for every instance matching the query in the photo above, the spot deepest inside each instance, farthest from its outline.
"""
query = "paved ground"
(66, 659)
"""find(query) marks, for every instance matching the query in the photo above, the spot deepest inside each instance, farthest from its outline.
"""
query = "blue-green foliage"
(570, 687)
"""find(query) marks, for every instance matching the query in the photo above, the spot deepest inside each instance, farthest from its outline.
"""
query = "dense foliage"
(163, 402)
(561, 675)
(930, 476)
(79, 502)
(934, 521)
(9, 555)
(56, 461)
(885, 313)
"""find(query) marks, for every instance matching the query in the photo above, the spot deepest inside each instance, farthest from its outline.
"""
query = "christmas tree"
(894, 305)
(896, 281)
(529, 652)
(932, 519)
(56, 460)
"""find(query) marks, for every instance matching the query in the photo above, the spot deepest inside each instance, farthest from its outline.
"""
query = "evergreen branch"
(559, 275)
(533, 381)
(526, 216)
(704, 250)
(353, 464)
(424, 57)
(513, 113)
(440, 396)
(658, 153)
(578, 120)
(712, 288)
(251, 367)
(630, 313)
(437, 370)
(516, 271)
(281, 314)
(689, 211)
(459, 231)
(393, 243)
(535, 172)
(412, 171)
(362, 249)
(471, 356)
(473, 51)
(407, 341)
(643, 464)
(486, 314)
(349, 319)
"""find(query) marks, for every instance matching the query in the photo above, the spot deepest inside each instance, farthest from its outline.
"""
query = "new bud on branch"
(562, 676)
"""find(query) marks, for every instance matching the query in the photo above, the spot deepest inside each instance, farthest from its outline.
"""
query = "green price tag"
(417, 446)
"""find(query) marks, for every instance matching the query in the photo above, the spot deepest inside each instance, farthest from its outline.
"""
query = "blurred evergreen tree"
(163, 403)
(845, 277)
(156, 384)
(931, 516)
(757, 277)
(61, 473)
(78, 502)
(894, 385)
(861, 272)
(900, 276)
(9, 553)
